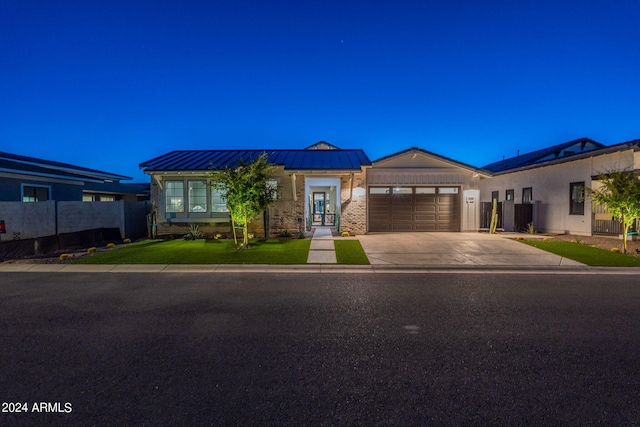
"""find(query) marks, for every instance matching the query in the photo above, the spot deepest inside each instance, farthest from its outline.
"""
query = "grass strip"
(271, 251)
(350, 252)
(586, 254)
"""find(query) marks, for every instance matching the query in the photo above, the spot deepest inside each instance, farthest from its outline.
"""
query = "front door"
(319, 202)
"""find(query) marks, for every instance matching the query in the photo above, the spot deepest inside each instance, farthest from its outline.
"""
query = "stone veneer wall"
(283, 214)
(353, 217)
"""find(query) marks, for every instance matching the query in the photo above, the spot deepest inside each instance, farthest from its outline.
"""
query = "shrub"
(615, 249)
(111, 245)
(194, 233)
(345, 234)
(519, 238)
(217, 236)
(64, 257)
(285, 233)
(92, 250)
(127, 240)
(301, 235)
(531, 229)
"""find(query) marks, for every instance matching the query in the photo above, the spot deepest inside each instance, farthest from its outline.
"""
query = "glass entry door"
(319, 203)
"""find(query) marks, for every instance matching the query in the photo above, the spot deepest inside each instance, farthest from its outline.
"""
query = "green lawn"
(586, 254)
(350, 252)
(272, 251)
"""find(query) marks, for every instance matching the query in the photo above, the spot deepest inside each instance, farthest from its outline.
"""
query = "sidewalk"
(309, 268)
(322, 250)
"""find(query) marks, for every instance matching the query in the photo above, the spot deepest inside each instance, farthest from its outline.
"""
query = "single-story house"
(412, 190)
(30, 179)
(546, 187)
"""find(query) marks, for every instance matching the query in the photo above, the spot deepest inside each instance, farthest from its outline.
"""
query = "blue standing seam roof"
(202, 160)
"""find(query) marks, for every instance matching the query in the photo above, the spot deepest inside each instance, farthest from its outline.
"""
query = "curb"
(311, 268)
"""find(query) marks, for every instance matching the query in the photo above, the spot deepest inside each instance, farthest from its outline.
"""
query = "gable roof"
(564, 150)
(203, 160)
(444, 159)
(14, 163)
(322, 145)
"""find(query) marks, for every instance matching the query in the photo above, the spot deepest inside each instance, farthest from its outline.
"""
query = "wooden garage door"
(414, 209)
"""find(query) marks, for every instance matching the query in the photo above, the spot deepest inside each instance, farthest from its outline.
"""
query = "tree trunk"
(235, 236)
(625, 230)
(245, 231)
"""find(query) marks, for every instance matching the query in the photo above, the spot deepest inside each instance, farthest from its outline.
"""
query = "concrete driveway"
(454, 249)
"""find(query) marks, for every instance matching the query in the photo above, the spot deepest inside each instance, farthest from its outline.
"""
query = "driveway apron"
(451, 249)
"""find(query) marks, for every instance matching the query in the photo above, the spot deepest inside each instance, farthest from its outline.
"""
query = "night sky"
(109, 84)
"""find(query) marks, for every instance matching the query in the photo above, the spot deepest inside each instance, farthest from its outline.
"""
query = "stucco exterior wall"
(551, 187)
(11, 188)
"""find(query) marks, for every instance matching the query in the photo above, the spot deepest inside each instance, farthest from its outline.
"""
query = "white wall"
(550, 186)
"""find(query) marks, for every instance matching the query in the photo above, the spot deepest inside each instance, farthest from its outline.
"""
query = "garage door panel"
(425, 217)
(425, 226)
(416, 212)
(400, 226)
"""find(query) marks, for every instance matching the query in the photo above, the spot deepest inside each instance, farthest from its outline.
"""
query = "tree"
(620, 193)
(247, 191)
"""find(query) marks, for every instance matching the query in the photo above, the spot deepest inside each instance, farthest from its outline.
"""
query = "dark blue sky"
(109, 84)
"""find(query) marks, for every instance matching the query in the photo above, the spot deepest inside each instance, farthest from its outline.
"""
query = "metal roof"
(544, 154)
(118, 188)
(13, 163)
(202, 160)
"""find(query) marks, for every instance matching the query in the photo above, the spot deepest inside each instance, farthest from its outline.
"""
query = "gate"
(485, 214)
(523, 215)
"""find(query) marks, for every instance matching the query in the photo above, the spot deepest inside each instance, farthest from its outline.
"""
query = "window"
(527, 195)
(107, 198)
(509, 195)
(272, 185)
(402, 190)
(88, 198)
(218, 203)
(378, 190)
(425, 190)
(174, 196)
(576, 198)
(495, 195)
(448, 190)
(35, 193)
(197, 196)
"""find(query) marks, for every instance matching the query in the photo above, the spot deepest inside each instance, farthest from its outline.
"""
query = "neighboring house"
(315, 186)
(413, 190)
(547, 187)
(29, 179)
(113, 191)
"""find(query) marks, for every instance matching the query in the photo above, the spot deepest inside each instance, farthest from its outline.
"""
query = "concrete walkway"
(322, 250)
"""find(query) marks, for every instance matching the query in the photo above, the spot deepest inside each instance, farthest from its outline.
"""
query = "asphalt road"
(304, 349)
